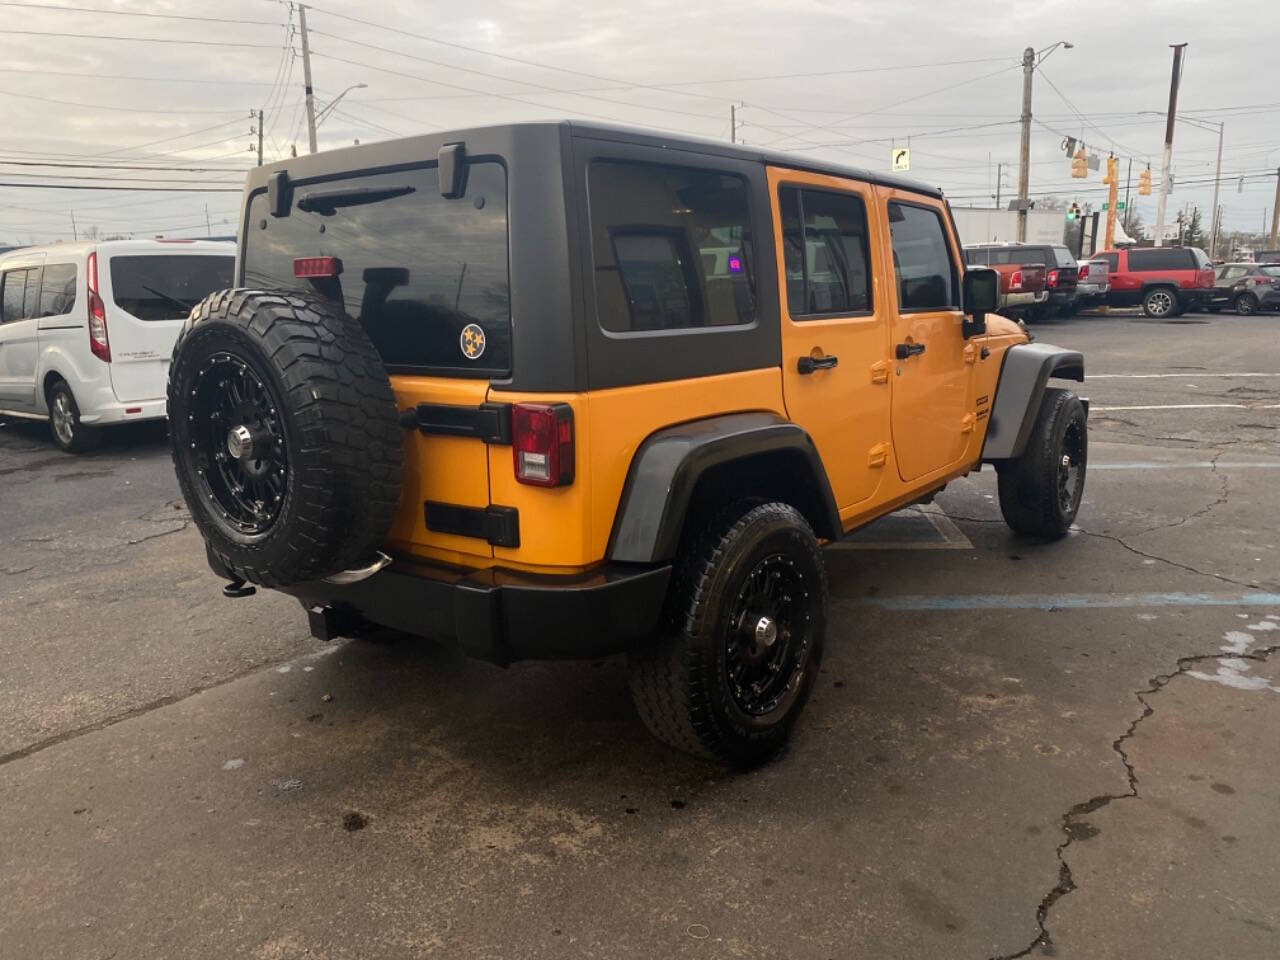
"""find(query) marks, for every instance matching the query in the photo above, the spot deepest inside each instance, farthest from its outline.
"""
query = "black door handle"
(909, 350)
(810, 364)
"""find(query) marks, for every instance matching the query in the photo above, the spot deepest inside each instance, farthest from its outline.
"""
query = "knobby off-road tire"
(1040, 491)
(310, 486)
(693, 686)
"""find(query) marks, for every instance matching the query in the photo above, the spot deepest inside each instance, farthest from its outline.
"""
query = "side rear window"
(1112, 260)
(826, 252)
(921, 259)
(1063, 256)
(16, 303)
(1160, 258)
(672, 247)
(166, 286)
(58, 289)
(419, 271)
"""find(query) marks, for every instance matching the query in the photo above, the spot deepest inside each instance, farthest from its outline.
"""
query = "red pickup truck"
(1023, 287)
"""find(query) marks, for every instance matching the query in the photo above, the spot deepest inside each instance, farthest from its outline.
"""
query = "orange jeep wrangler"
(559, 390)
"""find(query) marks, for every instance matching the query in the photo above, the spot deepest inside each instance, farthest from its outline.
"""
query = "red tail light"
(1083, 273)
(542, 443)
(98, 342)
(307, 268)
(1262, 281)
(1052, 279)
(1015, 280)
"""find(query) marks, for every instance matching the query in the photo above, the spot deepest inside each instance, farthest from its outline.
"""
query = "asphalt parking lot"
(1015, 749)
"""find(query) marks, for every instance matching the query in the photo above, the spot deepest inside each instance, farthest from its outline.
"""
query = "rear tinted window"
(1160, 258)
(58, 289)
(1270, 271)
(167, 286)
(1063, 256)
(418, 270)
(672, 247)
(1112, 260)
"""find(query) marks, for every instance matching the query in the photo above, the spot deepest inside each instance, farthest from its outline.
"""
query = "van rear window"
(167, 286)
(417, 270)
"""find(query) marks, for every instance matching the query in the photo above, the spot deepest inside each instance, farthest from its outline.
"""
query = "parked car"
(1164, 281)
(1022, 286)
(87, 330)
(1093, 283)
(1246, 287)
(723, 356)
(1060, 273)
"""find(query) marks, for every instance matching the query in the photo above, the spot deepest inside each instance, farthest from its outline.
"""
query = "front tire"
(1040, 491)
(69, 433)
(746, 623)
(1160, 303)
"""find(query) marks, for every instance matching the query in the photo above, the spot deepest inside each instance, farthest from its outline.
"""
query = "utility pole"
(733, 123)
(259, 138)
(1275, 213)
(1178, 49)
(207, 225)
(1113, 194)
(1217, 182)
(306, 76)
(1024, 156)
(75, 236)
(999, 174)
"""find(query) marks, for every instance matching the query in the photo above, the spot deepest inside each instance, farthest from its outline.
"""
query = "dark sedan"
(1246, 287)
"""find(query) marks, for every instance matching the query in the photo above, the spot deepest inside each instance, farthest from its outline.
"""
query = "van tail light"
(98, 342)
(1015, 280)
(542, 443)
(1052, 279)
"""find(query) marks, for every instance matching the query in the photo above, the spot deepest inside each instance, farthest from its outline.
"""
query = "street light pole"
(1024, 152)
(328, 108)
(306, 77)
(1178, 49)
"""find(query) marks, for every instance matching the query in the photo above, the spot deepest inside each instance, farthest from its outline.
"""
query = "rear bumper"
(1194, 297)
(114, 411)
(497, 615)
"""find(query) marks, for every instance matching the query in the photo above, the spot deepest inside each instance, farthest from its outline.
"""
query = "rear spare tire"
(284, 434)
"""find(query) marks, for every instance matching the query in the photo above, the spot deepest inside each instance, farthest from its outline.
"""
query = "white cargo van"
(87, 330)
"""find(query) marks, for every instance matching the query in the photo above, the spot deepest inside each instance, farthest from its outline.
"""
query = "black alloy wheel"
(1246, 304)
(238, 444)
(769, 635)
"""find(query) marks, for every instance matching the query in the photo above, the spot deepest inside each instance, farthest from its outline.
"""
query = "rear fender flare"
(668, 465)
(1024, 374)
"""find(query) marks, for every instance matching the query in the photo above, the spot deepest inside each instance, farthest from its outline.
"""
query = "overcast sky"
(840, 80)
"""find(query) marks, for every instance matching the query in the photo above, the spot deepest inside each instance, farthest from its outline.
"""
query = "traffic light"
(1110, 175)
(1078, 169)
(1144, 183)
(1074, 212)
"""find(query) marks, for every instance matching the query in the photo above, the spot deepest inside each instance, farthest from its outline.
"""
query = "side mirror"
(981, 295)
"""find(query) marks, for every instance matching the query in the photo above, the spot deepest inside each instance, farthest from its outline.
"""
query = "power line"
(113, 166)
(27, 71)
(100, 37)
(89, 186)
(133, 13)
(107, 106)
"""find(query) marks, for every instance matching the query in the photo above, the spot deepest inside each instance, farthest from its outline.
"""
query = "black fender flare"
(1024, 374)
(668, 464)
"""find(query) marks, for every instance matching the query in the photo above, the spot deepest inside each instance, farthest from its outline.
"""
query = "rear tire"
(285, 435)
(1160, 303)
(746, 622)
(1040, 491)
(1246, 304)
(69, 433)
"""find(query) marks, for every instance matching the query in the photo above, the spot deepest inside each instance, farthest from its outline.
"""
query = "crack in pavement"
(1222, 498)
(1066, 883)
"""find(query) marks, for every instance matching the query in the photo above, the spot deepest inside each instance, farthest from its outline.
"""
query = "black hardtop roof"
(357, 157)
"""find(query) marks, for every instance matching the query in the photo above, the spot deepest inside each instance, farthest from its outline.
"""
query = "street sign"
(1119, 205)
(901, 159)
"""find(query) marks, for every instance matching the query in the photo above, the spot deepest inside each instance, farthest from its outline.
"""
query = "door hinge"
(878, 455)
(970, 353)
(966, 425)
(880, 371)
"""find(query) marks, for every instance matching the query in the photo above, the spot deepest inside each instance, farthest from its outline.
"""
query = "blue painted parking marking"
(1069, 601)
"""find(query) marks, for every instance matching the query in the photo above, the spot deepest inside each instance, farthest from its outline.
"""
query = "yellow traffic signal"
(1144, 183)
(1110, 175)
(1078, 168)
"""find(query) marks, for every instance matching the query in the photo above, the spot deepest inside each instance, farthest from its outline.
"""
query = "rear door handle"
(905, 350)
(810, 364)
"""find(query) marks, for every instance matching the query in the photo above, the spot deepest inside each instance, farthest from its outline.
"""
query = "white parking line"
(1167, 376)
(1190, 465)
(951, 537)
